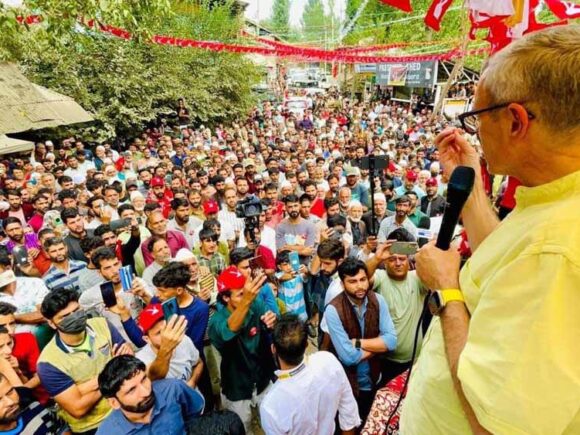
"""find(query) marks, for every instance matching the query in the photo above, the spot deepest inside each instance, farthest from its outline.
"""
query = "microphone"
(458, 190)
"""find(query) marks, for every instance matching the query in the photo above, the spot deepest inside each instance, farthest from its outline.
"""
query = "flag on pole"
(404, 5)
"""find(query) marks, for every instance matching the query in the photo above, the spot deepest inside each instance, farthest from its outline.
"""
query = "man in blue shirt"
(143, 407)
(360, 329)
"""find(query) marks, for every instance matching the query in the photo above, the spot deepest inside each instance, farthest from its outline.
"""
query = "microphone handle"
(448, 224)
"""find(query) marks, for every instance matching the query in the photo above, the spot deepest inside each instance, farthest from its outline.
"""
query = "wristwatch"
(357, 343)
(440, 298)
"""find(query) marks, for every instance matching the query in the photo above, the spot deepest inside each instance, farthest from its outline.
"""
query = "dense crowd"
(176, 282)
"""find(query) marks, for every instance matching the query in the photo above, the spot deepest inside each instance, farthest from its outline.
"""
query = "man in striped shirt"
(63, 272)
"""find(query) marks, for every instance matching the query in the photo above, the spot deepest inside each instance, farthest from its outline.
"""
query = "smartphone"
(31, 241)
(169, 308)
(404, 248)
(255, 266)
(126, 274)
(108, 294)
(294, 260)
(20, 254)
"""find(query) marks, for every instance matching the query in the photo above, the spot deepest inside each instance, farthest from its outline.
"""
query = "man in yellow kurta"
(502, 355)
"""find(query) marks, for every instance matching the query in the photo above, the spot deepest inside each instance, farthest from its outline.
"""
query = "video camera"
(249, 209)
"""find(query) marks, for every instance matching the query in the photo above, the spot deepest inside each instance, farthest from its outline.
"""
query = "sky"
(261, 9)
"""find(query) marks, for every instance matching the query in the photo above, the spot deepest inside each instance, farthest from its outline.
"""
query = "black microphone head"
(460, 185)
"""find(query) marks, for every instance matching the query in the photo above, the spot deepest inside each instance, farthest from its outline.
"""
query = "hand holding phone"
(294, 260)
(108, 294)
(403, 248)
(170, 308)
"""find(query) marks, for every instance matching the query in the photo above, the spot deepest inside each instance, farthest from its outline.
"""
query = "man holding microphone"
(501, 355)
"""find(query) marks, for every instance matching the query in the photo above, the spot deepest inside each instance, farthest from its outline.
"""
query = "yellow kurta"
(520, 368)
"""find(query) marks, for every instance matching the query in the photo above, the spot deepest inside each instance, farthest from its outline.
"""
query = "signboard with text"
(410, 74)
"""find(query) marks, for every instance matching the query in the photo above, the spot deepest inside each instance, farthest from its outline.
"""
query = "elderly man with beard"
(144, 407)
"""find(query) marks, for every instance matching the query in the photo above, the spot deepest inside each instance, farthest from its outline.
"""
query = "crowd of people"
(290, 303)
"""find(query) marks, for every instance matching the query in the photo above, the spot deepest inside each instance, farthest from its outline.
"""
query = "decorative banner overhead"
(345, 55)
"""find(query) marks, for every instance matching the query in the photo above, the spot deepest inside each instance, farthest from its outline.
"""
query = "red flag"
(564, 10)
(436, 12)
(404, 5)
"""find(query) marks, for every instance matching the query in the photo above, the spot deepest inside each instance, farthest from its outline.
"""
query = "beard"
(356, 220)
(142, 406)
(294, 214)
(11, 416)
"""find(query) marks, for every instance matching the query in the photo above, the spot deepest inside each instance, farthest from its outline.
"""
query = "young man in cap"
(160, 194)
(410, 183)
(169, 353)
(432, 204)
(240, 333)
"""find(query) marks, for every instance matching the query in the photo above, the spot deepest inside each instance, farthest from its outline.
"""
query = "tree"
(279, 22)
(314, 20)
(127, 84)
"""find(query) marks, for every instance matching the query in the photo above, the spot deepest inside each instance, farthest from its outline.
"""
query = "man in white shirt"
(310, 391)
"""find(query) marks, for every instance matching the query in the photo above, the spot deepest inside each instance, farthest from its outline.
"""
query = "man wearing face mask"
(145, 407)
(67, 365)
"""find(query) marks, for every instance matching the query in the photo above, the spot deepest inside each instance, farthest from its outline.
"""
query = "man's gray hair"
(543, 67)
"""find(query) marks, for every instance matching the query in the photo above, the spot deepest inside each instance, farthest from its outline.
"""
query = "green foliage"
(279, 22)
(126, 84)
(313, 19)
(380, 23)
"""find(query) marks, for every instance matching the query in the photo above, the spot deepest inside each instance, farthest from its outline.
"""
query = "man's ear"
(339, 262)
(273, 349)
(114, 403)
(52, 324)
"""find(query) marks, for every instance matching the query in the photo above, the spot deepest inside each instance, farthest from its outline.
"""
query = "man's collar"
(286, 374)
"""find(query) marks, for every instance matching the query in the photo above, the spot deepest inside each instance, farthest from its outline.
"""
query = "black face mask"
(74, 323)
(141, 407)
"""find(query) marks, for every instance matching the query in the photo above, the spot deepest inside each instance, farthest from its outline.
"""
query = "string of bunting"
(278, 49)
(285, 50)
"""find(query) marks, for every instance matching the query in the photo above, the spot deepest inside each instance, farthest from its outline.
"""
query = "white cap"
(183, 254)
(136, 195)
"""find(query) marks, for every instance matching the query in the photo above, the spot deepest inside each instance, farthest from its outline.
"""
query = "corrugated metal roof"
(9, 145)
(26, 106)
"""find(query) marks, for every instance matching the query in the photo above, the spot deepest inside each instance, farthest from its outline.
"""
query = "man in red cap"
(432, 204)
(240, 333)
(410, 183)
(160, 194)
(169, 352)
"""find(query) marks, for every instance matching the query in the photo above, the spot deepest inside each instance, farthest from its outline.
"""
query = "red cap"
(157, 181)
(150, 315)
(431, 182)
(210, 206)
(411, 176)
(230, 279)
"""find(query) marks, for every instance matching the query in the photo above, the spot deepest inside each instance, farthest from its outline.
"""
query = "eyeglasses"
(470, 120)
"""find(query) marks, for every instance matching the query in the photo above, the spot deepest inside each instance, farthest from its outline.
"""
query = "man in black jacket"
(432, 204)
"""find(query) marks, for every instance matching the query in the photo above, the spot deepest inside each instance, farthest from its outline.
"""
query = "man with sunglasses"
(501, 354)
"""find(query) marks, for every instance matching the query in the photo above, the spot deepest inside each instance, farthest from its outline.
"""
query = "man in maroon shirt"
(40, 205)
(157, 224)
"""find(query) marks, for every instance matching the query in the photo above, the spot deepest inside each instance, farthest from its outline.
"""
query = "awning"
(9, 145)
(26, 106)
